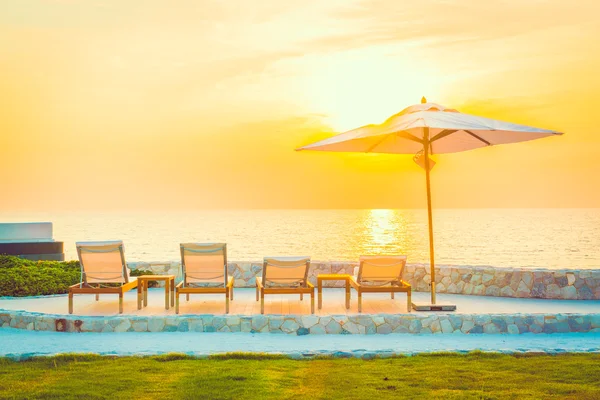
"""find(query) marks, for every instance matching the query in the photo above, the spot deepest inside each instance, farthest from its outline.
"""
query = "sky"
(147, 104)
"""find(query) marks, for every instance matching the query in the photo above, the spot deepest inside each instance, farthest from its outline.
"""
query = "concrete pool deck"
(245, 303)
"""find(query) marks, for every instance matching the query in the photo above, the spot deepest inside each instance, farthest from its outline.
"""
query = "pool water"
(18, 343)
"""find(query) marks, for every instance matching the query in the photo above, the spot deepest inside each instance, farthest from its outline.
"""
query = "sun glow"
(159, 94)
(366, 87)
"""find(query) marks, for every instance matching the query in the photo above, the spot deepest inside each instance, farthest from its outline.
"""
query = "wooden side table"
(142, 289)
(333, 277)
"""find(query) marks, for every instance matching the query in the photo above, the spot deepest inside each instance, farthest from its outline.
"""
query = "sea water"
(550, 238)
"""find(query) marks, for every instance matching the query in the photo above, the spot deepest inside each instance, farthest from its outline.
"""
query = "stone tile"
(353, 328)
(317, 329)
(476, 329)
(194, 325)
(384, 328)
(246, 324)
(415, 326)
(123, 326)
(492, 291)
(513, 329)
(568, 292)
(219, 322)
(446, 326)
(553, 291)
(275, 322)
(333, 327)
(183, 326)
(309, 321)
(140, 326)
(290, 326)
(259, 322)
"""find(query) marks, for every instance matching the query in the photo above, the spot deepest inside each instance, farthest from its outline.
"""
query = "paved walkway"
(244, 303)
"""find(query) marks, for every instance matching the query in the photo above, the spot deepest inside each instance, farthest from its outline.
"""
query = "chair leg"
(359, 301)
(187, 297)
(231, 293)
(176, 302)
(301, 297)
(70, 303)
(120, 303)
(320, 294)
(256, 293)
(392, 295)
(167, 293)
(227, 291)
(173, 293)
(145, 290)
(312, 302)
(409, 301)
(347, 297)
(97, 296)
(262, 301)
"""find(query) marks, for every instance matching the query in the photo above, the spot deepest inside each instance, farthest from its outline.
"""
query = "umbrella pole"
(429, 216)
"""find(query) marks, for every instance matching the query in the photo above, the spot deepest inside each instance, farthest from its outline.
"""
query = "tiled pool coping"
(434, 323)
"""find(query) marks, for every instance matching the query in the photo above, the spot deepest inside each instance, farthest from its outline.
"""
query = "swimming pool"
(18, 343)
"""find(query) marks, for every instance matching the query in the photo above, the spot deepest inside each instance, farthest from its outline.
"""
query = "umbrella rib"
(408, 136)
(478, 138)
(442, 134)
(370, 149)
(402, 134)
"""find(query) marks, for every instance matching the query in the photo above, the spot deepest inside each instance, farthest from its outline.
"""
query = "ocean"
(551, 238)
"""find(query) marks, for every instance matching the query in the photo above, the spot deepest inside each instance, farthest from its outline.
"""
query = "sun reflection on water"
(385, 232)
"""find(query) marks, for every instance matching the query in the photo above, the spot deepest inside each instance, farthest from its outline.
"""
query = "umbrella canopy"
(431, 129)
(448, 130)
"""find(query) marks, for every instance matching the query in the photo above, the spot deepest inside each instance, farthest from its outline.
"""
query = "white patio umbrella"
(425, 129)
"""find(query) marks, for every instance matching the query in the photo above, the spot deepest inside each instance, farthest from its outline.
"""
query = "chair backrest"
(102, 262)
(380, 269)
(285, 271)
(204, 263)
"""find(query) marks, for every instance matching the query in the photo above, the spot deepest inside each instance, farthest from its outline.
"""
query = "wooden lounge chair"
(285, 275)
(377, 274)
(204, 267)
(102, 264)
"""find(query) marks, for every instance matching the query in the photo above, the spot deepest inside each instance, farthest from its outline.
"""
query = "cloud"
(447, 23)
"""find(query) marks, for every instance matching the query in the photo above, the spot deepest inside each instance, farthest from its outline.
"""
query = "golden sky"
(122, 104)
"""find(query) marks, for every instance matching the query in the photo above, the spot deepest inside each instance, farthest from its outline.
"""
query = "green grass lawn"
(472, 376)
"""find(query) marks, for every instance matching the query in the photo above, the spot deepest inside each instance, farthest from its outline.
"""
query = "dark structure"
(30, 240)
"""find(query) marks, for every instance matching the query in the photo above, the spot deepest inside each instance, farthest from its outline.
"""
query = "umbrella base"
(433, 307)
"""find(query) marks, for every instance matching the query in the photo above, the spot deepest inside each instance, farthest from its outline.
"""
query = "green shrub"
(140, 272)
(19, 277)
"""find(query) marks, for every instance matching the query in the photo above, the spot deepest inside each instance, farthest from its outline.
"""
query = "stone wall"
(473, 280)
(311, 324)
